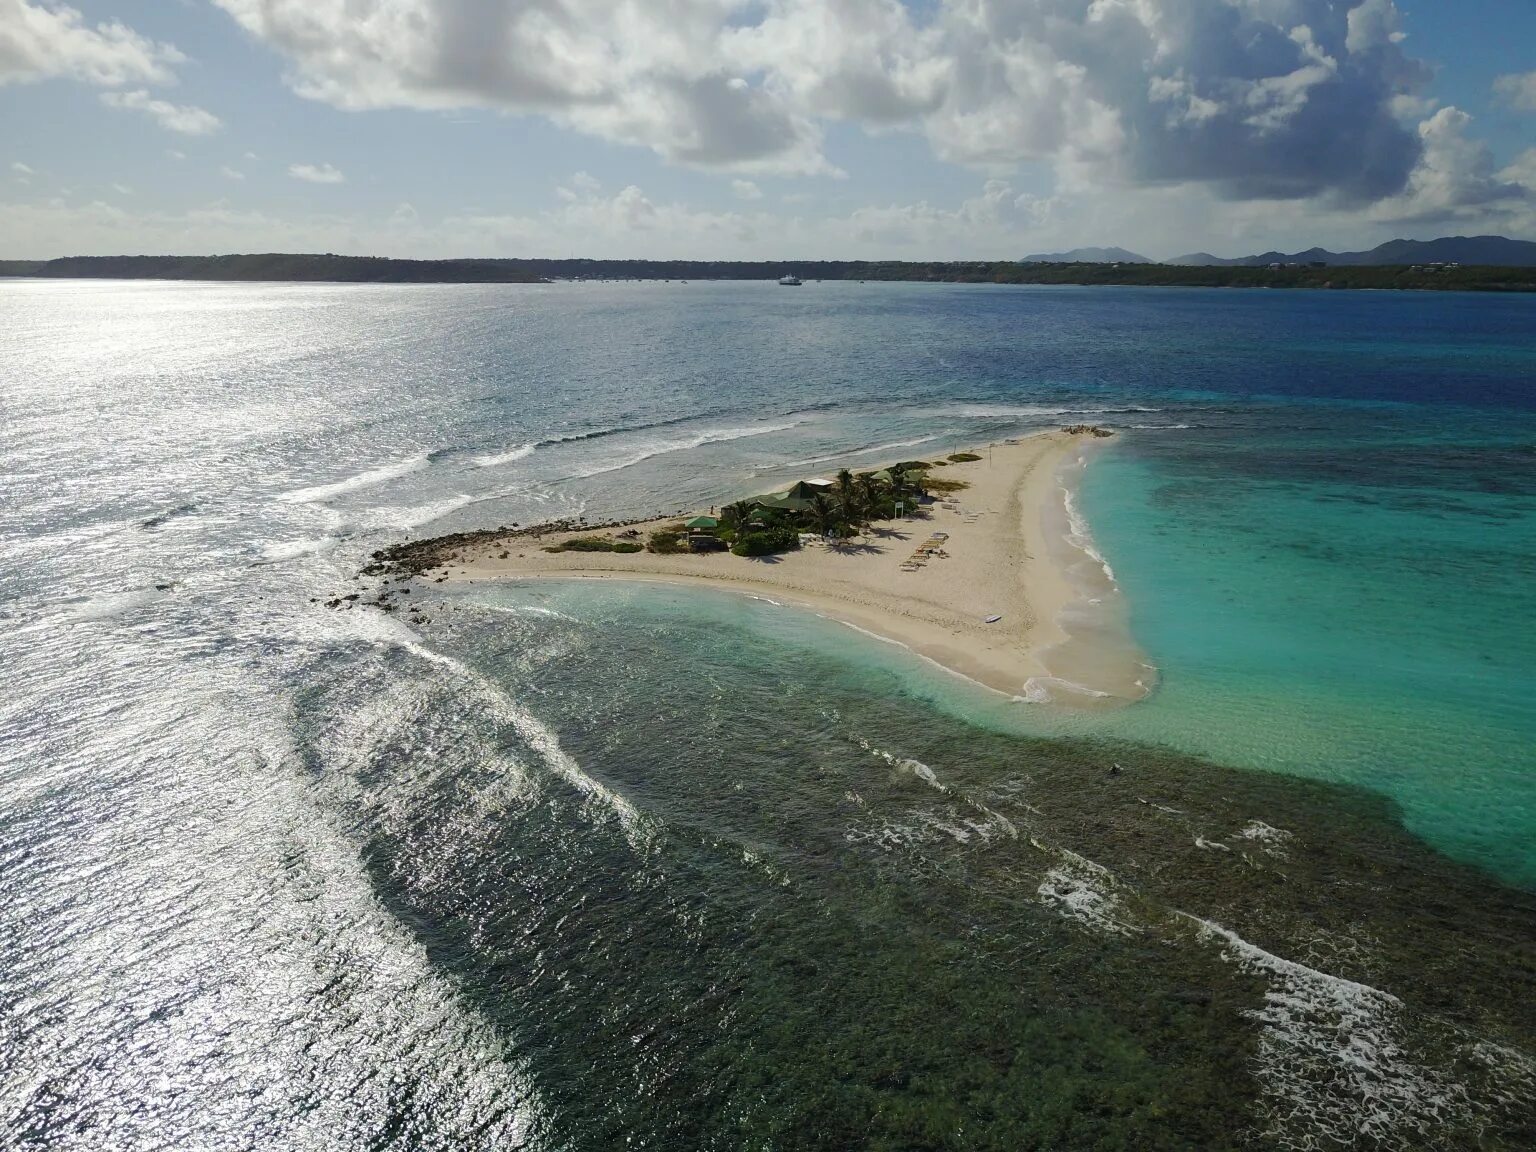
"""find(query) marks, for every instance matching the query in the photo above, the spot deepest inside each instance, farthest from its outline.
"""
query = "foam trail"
(112, 605)
(532, 732)
(415, 516)
(293, 549)
(851, 452)
(904, 764)
(370, 479)
(663, 447)
(1038, 689)
(1086, 898)
(1331, 1055)
(500, 458)
(1080, 537)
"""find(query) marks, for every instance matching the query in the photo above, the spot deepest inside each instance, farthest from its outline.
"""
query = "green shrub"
(667, 541)
(767, 542)
(589, 544)
(593, 544)
(933, 484)
(628, 546)
(963, 457)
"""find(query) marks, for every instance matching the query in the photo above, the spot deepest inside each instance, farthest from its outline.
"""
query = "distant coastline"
(329, 268)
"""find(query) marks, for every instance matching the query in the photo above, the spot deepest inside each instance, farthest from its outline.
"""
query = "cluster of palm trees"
(852, 503)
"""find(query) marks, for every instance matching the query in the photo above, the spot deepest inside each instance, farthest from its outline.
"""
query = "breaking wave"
(370, 479)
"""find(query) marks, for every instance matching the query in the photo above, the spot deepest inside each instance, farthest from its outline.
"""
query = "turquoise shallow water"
(1361, 612)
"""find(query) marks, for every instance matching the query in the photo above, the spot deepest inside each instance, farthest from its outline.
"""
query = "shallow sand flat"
(1006, 557)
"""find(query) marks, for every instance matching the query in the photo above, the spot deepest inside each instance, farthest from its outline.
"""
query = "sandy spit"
(1003, 558)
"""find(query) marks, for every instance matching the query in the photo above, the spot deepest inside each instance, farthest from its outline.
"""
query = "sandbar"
(1012, 551)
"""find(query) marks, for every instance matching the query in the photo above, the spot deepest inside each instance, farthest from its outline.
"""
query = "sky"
(761, 129)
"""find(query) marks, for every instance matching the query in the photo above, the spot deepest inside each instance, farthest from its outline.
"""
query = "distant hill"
(1088, 256)
(1483, 251)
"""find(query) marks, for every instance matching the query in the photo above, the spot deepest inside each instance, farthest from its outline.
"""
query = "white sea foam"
(1079, 536)
(111, 605)
(1049, 689)
(500, 458)
(276, 553)
(414, 516)
(322, 492)
(1271, 840)
(536, 735)
(1331, 1057)
(904, 764)
(960, 829)
(525, 610)
(677, 444)
(1084, 891)
(852, 452)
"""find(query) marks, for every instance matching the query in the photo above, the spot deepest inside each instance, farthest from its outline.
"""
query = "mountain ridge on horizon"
(1485, 251)
(1089, 256)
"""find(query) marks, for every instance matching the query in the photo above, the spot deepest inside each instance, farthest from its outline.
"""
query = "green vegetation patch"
(667, 541)
(963, 457)
(594, 544)
(934, 484)
(767, 541)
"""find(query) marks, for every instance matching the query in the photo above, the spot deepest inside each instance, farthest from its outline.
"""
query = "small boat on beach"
(789, 280)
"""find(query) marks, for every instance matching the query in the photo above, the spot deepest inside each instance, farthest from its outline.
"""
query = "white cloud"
(1523, 170)
(1256, 99)
(39, 41)
(231, 173)
(1518, 90)
(22, 169)
(1455, 179)
(175, 155)
(316, 174)
(648, 75)
(122, 189)
(186, 119)
(746, 190)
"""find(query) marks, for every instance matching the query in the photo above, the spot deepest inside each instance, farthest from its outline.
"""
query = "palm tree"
(849, 499)
(736, 514)
(823, 514)
(868, 489)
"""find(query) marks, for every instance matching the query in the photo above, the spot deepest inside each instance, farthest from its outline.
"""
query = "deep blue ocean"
(581, 866)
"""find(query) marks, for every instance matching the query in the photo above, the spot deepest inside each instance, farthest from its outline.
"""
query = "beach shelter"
(784, 503)
(702, 522)
(803, 490)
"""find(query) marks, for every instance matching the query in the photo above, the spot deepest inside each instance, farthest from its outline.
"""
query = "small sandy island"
(1008, 550)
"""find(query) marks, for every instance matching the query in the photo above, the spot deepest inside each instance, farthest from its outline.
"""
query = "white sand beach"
(1007, 554)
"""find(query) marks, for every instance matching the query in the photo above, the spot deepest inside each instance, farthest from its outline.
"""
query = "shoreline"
(1014, 550)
